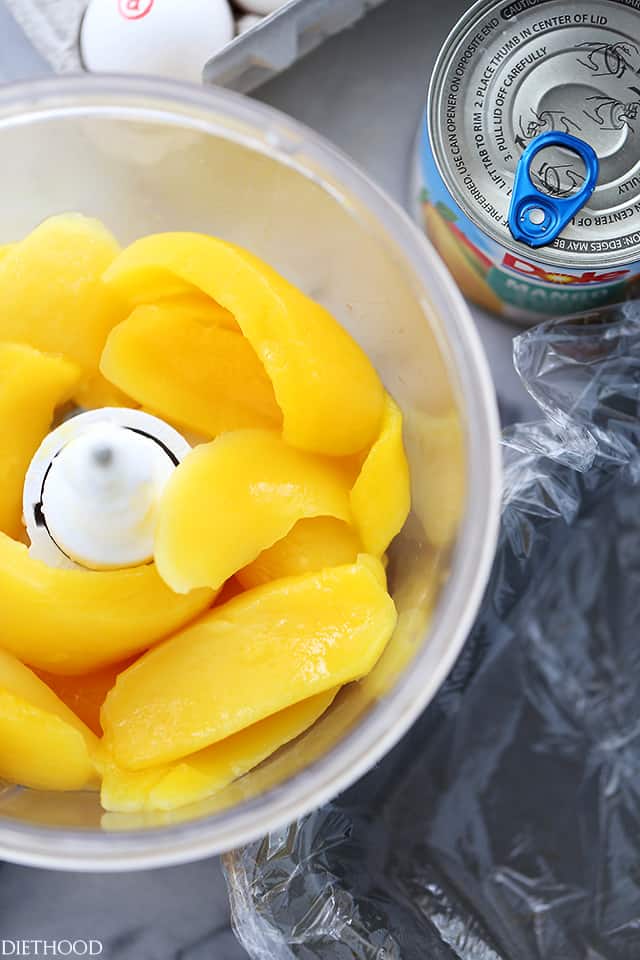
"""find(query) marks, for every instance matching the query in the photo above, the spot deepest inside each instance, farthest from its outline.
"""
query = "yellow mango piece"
(232, 589)
(439, 500)
(203, 376)
(128, 791)
(201, 307)
(260, 653)
(214, 768)
(74, 621)
(42, 743)
(32, 385)
(84, 695)
(39, 750)
(53, 297)
(204, 773)
(329, 393)
(232, 498)
(159, 284)
(381, 496)
(311, 545)
(19, 680)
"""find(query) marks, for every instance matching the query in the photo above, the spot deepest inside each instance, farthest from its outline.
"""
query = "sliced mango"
(232, 589)
(439, 504)
(53, 297)
(311, 545)
(73, 621)
(201, 307)
(32, 385)
(381, 496)
(329, 393)
(85, 695)
(128, 791)
(205, 773)
(231, 499)
(160, 284)
(39, 750)
(19, 680)
(201, 375)
(42, 743)
(260, 653)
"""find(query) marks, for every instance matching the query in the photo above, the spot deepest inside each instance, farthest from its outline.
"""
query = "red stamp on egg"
(134, 9)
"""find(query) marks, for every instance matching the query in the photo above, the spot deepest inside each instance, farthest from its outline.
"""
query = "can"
(507, 73)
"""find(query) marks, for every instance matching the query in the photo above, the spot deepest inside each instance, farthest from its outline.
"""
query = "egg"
(247, 22)
(262, 7)
(159, 37)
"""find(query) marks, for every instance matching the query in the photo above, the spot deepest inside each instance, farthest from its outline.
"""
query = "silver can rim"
(555, 260)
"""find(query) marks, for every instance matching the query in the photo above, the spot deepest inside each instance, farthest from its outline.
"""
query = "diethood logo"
(553, 276)
(134, 9)
(51, 948)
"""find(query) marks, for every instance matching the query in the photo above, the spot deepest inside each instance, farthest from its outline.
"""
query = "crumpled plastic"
(506, 824)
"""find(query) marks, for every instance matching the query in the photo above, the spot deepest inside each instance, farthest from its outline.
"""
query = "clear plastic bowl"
(148, 156)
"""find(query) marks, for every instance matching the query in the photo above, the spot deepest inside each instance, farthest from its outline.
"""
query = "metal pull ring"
(535, 218)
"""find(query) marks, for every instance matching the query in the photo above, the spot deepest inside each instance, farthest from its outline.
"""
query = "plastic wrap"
(506, 825)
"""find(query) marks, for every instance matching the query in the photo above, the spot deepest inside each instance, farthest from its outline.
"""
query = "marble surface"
(179, 913)
(365, 90)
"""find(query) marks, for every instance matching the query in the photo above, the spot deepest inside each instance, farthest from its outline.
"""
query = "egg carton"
(269, 46)
(281, 39)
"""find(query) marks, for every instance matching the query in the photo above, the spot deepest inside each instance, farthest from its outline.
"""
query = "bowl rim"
(390, 718)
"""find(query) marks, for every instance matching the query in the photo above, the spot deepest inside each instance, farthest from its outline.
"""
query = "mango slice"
(32, 385)
(53, 297)
(204, 773)
(160, 284)
(72, 621)
(311, 545)
(329, 393)
(439, 503)
(85, 695)
(40, 750)
(42, 743)
(231, 499)
(200, 307)
(232, 589)
(260, 653)
(19, 680)
(201, 375)
(381, 496)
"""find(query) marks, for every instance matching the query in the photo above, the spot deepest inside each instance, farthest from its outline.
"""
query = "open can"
(508, 73)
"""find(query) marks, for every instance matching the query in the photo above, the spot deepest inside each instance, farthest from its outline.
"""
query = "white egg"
(262, 7)
(247, 22)
(159, 37)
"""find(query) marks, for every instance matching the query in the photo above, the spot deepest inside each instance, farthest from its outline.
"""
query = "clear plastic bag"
(506, 825)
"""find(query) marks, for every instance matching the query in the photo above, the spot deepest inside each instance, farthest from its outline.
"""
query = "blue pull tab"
(536, 218)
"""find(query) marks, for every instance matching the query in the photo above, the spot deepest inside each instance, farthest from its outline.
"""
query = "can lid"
(512, 71)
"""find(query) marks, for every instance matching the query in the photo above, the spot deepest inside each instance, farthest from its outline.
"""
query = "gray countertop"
(365, 91)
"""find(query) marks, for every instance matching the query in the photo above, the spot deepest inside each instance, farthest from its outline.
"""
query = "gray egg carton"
(281, 39)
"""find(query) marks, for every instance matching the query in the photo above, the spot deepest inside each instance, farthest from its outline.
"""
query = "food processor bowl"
(147, 156)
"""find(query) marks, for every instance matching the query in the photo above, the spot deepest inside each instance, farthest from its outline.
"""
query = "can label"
(508, 73)
(515, 285)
